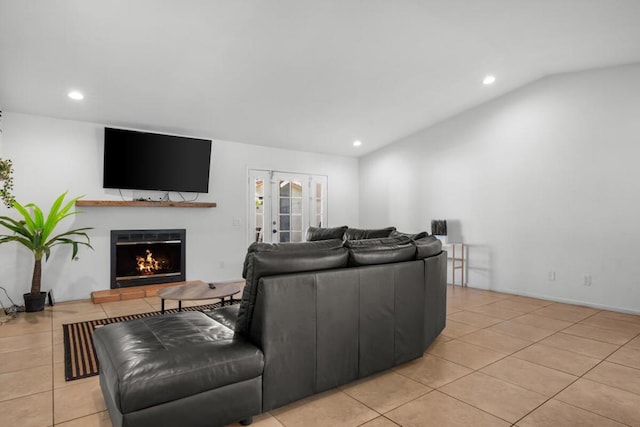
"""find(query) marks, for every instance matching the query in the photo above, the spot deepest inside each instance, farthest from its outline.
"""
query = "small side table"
(458, 261)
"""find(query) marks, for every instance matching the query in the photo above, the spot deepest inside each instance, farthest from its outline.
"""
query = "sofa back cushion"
(363, 233)
(412, 236)
(427, 247)
(270, 263)
(290, 247)
(320, 233)
(380, 251)
(265, 259)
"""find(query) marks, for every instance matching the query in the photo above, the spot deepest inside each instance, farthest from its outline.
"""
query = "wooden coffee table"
(200, 291)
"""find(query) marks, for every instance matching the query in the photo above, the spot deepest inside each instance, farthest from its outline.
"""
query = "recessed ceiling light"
(357, 143)
(488, 80)
(75, 95)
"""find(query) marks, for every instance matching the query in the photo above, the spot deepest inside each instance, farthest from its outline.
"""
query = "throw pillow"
(319, 233)
(367, 233)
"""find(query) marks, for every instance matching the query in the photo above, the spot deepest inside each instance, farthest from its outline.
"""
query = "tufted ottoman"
(183, 369)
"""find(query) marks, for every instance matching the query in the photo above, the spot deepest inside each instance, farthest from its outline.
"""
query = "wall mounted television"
(151, 161)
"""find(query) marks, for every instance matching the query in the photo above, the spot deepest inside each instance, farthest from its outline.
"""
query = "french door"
(283, 205)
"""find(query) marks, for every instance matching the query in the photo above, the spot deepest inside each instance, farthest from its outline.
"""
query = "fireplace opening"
(143, 257)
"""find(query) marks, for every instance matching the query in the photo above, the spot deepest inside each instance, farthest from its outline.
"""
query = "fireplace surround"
(145, 257)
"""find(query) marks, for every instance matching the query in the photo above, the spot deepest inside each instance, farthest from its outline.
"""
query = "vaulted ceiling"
(311, 75)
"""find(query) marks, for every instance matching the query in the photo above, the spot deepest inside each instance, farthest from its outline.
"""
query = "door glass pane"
(285, 188)
(284, 222)
(296, 189)
(296, 206)
(259, 209)
(296, 222)
(285, 205)
(318, 201)
(290, 214)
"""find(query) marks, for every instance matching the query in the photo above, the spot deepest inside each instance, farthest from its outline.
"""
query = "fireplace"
(145, 257)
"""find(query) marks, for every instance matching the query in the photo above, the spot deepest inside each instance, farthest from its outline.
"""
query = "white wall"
(543, 179)
(51, 156)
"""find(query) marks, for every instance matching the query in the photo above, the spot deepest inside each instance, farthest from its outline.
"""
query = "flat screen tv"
(150, 161)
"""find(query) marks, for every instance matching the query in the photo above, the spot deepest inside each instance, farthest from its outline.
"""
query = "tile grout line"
(578, 377)
(473, 371)
(80, 417)
(448, 395)
(553, 332)
(535, 342)
(53, 423)
(563, 389)
(477, 371)
(383, 416)
(447, 383)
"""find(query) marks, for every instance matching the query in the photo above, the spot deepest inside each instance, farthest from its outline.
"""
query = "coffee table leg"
(162, 306)
(179, 305)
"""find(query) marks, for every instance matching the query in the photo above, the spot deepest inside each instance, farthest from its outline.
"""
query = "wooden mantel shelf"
(142, 203)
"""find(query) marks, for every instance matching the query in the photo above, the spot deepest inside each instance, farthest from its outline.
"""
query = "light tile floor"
(502, 360)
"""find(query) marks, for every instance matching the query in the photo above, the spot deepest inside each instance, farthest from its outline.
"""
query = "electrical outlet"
(552, 276)
(221, 264)
(237, 221)
(587, 280)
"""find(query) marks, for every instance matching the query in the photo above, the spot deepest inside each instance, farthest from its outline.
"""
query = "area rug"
(79, 354)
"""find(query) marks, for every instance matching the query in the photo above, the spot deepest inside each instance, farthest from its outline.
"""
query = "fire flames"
(147, 264)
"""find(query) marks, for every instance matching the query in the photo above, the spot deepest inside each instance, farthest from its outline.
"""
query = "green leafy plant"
(6, 178)
(35, 232)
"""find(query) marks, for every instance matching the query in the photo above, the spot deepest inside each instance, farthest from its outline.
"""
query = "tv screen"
(150, 161)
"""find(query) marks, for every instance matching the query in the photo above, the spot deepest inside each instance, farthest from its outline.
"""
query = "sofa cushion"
(380, 251)
(364, 233)
(427, 247)
(282, 258)
(270, 263)
(150, 361)
(319, 233)
(420, 235)
(327, 244)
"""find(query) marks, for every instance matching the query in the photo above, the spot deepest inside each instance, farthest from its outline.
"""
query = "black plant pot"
(34, 302)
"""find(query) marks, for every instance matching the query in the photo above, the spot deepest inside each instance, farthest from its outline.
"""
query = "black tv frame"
(140, 160)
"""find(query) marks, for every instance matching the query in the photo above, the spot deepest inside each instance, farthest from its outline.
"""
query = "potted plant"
(35, 231)
(6, 181)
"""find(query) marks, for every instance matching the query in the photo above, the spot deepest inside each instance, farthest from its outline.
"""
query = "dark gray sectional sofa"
(313, 316)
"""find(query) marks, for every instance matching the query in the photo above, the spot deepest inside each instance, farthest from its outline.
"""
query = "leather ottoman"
(179, 369)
